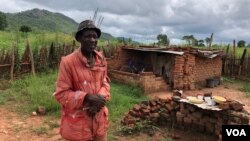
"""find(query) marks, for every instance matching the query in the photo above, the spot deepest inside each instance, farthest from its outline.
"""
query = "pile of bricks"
(184, 116)
(231, 105)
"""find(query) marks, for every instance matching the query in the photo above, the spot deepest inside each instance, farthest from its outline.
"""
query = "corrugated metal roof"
(159, 50)
(199, 53)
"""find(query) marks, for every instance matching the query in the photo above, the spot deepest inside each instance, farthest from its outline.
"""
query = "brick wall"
(190, 70)
(147, 81)
(118, 60)
(186, 71)
(150, 83)
(124, 77)
(123, 56)
(183, 72)
(206, 68)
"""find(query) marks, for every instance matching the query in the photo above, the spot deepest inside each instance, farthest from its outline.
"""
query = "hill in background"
(45, 20)
(41, 20)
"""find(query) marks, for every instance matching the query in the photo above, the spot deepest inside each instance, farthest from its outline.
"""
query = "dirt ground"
(14, 127)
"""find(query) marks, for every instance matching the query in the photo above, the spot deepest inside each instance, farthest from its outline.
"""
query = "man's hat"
(87, 24)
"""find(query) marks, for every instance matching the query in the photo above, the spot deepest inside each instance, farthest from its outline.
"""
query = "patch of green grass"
(40, 130)
(16, 128)
(31, 92)
(52, 124)
(246, 88)
(167, 139)
(244, 85)
(123, 97)
(28, 93)
(51, 121)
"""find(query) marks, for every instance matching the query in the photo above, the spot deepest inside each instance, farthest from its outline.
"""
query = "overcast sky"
(143, 19)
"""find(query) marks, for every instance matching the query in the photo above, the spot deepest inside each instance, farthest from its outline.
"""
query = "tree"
(163, 39)
(207, 41)
(195, 42)
(3, 21)
(190, 39)
(25, 29)
(201, 43)
(211, 40)
(129, 40)
(186, 38)
(241, 43)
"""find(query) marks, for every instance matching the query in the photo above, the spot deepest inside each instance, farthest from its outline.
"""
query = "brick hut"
(157, 69)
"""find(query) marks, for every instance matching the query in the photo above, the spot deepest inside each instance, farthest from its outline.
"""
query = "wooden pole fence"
(12, 62)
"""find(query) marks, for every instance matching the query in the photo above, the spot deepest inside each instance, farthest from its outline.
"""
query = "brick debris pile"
(186, 116)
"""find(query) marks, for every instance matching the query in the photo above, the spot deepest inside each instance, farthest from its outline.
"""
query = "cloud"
(18, 6)
(227, 19)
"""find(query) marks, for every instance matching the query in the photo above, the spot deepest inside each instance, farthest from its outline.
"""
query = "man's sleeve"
(105, 89)
(64, 94)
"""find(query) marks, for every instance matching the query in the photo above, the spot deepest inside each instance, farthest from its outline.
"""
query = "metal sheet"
(159, 50)
(202, 105)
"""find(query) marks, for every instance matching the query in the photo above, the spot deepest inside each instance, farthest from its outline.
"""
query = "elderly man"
(82, 89)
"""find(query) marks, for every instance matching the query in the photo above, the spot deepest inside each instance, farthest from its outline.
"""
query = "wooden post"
(2, 55)
(211, 40)
(233, 64)
(242, 61)
(31, 59)
(12, 62)
(225, 60)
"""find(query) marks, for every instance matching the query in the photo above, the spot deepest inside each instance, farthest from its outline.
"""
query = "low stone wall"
(147, 81)
(185, 116)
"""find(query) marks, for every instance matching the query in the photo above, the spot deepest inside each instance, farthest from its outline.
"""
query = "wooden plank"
(5, 65)
(25, 63)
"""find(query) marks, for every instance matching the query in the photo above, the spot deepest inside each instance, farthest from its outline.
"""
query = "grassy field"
(40, 39)
(26, 94)
(30, 92)
(245, 85)
(36, 39)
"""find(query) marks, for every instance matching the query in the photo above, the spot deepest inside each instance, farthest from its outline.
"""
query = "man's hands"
(95, 102)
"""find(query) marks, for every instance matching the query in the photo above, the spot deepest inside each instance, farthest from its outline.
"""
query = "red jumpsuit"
(75, 79)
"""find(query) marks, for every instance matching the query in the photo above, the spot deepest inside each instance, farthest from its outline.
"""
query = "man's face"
(88, 40)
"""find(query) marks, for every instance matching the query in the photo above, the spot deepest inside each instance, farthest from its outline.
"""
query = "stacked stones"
(185, 116)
